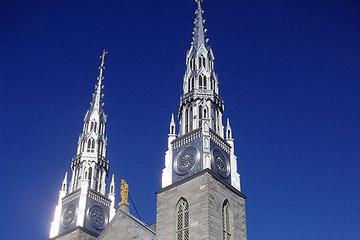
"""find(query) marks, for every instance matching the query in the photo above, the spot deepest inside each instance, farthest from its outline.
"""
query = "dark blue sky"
(289, 74)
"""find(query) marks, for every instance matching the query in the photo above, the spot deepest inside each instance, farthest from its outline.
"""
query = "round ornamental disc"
(186, 160)
(97, 217)
(221, 162)
(68, 215)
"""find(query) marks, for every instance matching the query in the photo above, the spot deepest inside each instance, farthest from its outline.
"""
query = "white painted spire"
(112, 185)
(90, 167)
(64, 183)
(199, 29)
(201, 109)
(55, 224)
(112, 197)
(228, 130)
(172, 129)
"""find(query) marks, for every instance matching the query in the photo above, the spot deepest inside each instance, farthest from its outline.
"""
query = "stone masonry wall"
(205, 195)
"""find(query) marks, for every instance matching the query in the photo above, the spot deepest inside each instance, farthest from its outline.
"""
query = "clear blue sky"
(289, 74)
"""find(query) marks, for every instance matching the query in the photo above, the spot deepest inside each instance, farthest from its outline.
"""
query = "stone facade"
(124, 226)
(205, 193)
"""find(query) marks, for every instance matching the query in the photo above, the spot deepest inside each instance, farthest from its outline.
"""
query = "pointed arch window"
(226, 221)
(202, 61)
(90, 176)
(182, 220)
(95, 126)
(88, 145)
(205, 82)
(200, 82)
(192, 63)
(93, 145)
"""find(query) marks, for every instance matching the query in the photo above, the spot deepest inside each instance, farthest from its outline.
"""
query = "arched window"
(182, 220)
(192, 63)
(202, 61)
(90, 175)
(205, 82)
(91, 126)
(226, 221)
(100, 180)
(95, 125)
(93, 145)
(88, 145)
(200, 82)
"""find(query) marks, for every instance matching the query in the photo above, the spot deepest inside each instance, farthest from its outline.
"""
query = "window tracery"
(182, 220)
(226, 221)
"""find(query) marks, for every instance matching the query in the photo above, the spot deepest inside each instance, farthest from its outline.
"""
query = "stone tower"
(201, 195)
(85, 207)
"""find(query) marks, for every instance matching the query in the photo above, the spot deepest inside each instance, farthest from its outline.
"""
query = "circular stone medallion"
(68, 215)
(186, 160)
(221, 162)
(97, 217)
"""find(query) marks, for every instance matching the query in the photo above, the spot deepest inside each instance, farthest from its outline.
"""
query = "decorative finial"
(124, 192)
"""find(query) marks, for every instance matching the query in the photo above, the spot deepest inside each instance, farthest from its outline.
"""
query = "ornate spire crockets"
(98, 95)
(201, 142)
(199, 32)
(90, 168)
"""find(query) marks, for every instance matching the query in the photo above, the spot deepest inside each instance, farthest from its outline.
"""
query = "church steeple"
(90, 168)
(201, 142)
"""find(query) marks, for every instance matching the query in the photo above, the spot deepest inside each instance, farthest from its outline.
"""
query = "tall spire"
(199, 29)
(96, 102)
(90, 168)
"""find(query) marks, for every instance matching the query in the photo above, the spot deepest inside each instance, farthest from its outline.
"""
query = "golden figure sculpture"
(124, 192)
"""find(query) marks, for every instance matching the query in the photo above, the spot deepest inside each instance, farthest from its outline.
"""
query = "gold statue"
(124, 192)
